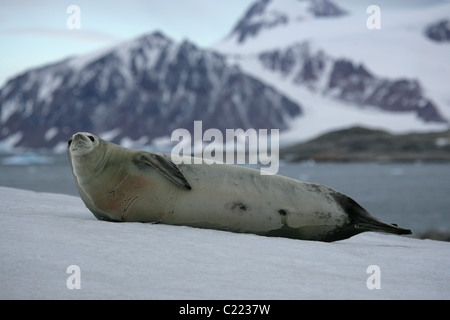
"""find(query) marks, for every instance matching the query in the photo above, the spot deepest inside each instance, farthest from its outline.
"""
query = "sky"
(35, 32)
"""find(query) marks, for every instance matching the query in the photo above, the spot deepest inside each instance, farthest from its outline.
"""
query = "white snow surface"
(43, 234)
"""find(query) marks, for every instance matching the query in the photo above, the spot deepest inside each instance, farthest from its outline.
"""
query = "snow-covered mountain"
(267, 14)
(347, 81)
(136, 92)
(302, 66)
(345, 74)
(439, 31)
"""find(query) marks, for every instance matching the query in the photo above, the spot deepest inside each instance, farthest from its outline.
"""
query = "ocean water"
(412, 195)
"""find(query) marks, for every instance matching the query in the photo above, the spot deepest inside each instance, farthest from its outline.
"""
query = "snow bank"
(43, 234)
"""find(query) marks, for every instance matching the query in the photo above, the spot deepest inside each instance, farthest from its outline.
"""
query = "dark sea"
(412, 195)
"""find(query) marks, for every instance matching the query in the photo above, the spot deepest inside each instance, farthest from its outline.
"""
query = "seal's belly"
(133, 198)
(227, 211)
(228, 198)
(237, 199)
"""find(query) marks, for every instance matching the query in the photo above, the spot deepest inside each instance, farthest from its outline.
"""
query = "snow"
(127, 142)
(8, 108)
(43, 234)
(48, 84)
(80, 62)
(442, 142)
(7, 145)
(51, 133)
(415, 57)
(111, 134)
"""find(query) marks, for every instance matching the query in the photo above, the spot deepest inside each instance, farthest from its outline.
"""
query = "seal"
(120, 184)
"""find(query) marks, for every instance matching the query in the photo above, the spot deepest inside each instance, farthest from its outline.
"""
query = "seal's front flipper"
(165, 166)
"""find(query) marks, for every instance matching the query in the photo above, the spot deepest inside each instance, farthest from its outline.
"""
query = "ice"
(43, 234)
(26, 158)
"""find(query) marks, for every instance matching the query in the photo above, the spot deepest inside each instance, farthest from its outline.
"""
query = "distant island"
(362, 144)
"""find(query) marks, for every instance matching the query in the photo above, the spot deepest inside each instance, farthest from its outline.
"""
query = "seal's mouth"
(79, 144)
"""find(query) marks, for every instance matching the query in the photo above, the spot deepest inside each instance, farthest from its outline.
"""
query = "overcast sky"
(34, 32)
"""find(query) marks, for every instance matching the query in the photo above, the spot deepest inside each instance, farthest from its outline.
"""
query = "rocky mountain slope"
(136, 92)
(260, 16)
(347, 81)
(439, 31)
(323, 55)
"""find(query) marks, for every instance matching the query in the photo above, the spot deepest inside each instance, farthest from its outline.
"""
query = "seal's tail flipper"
(379, 226)
(359, 227)
(360, 221)
(364, 221)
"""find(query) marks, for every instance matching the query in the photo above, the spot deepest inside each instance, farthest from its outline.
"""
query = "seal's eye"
(91, 138)
(69, 142)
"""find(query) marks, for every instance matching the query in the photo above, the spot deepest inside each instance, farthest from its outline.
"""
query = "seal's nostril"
(80, 136)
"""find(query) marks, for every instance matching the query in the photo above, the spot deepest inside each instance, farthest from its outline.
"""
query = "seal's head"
(87, 155)
(82, 143)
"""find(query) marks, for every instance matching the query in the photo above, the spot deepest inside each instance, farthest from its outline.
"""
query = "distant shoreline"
(359, 144)
(433, 234)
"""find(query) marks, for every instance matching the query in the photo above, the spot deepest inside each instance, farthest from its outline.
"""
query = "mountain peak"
(267, 14)
(133, 93)
(153, 37)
